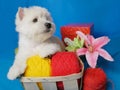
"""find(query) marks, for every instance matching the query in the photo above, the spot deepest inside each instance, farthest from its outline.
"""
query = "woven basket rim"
(55, 78)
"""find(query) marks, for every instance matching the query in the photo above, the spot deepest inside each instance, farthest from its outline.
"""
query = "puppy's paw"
(43, 54)
(47, 50)
(13, 73)
(47, 54)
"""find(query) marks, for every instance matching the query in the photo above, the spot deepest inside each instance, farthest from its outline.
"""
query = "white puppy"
(36, 29)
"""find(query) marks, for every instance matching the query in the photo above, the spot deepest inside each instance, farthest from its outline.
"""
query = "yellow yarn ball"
(38, 67)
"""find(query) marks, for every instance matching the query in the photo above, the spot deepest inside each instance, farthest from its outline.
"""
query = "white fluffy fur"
(33, 38)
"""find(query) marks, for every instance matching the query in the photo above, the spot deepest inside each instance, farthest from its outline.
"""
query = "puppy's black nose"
(48, 25)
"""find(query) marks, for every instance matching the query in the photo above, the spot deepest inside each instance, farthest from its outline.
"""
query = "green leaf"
(70, 48)
(75, 44)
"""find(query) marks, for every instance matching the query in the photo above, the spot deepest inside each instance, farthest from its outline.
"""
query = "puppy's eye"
(35, 20)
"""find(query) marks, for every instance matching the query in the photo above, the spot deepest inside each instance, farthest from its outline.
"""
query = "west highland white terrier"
(35, 28)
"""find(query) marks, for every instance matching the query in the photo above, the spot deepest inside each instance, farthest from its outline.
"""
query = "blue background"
(105, 14)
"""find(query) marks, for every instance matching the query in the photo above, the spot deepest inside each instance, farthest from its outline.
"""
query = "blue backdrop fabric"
(105, 14)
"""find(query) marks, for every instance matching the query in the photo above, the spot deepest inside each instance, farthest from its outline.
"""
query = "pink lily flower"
(93, 48)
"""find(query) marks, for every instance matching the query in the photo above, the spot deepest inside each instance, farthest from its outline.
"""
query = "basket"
(70, 82)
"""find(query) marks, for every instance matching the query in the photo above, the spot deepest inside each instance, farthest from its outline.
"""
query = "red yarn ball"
(65, 63)
(94, 79)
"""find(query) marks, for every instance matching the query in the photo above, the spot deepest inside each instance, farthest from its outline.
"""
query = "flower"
(93, 48)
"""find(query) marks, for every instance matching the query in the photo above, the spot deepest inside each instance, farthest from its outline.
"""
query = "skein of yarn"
(94, 79)
(38, 67)
(65, 63)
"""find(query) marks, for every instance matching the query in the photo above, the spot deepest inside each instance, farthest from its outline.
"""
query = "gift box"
(69, 31)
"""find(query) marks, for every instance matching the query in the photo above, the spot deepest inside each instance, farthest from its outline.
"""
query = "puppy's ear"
(20, 13)
(19, 16)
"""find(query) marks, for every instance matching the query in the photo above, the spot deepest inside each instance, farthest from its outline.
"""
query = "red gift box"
(69, 31)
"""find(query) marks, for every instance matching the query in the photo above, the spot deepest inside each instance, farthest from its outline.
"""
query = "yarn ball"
(38, 67)
(65, 63)
(69, 31)
(94, 79)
